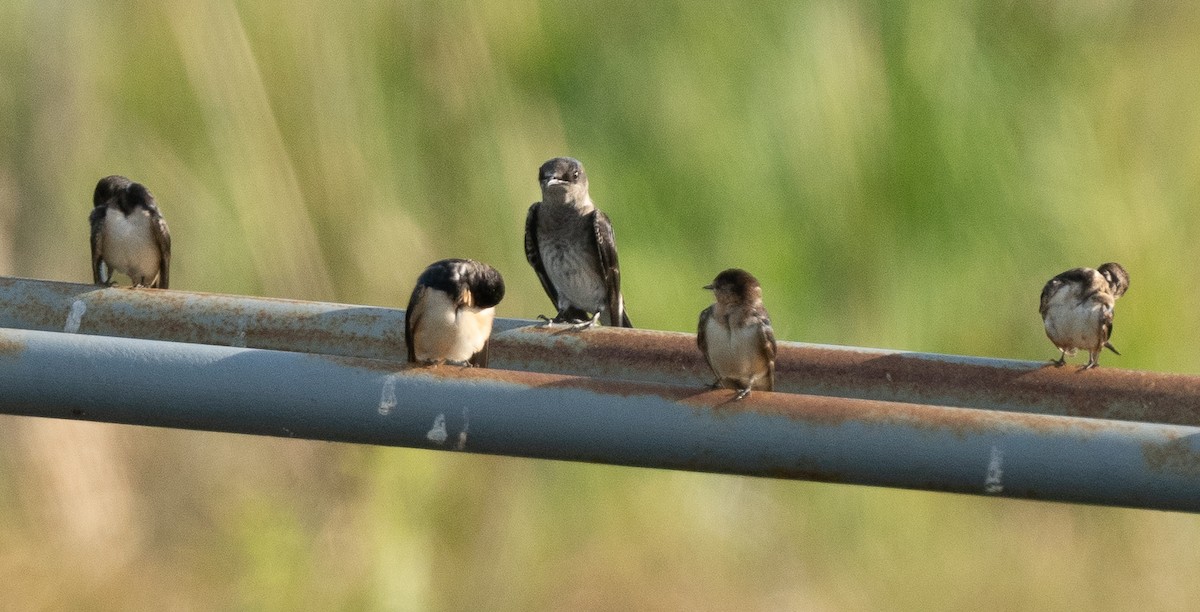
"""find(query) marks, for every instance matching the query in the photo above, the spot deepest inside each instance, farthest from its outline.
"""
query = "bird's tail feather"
(1109, 346)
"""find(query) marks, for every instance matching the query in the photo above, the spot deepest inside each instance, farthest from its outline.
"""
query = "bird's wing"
(162, 237)
(610, 269)
(412, 318)
(1106, 321)
(767, 346)
(480, 359)
(97, 221)
(702, 337)
(534, 255)
(1047, 293)
(1080, 277)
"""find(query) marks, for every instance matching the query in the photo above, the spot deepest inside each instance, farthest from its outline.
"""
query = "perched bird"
(735, 335)
(129, 235)
(1077, 310)
(570, 245)
(449, 316)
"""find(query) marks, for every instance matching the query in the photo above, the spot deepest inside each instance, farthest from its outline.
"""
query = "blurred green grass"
(898, 175)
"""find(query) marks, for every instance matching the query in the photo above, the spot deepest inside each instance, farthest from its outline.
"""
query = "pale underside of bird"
(450, 313)
(1077, 310)
(128, 235)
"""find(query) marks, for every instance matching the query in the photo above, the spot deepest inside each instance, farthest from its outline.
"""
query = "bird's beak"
(709, 287)
(555, 181)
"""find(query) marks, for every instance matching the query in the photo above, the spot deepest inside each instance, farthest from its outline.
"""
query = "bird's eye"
(575, 175)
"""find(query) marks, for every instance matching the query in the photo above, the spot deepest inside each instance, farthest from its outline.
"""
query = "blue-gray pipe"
(254, 391)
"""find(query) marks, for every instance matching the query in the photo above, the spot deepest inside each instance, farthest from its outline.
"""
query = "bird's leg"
(1062, 359)
(562, 316)
(1093, 360)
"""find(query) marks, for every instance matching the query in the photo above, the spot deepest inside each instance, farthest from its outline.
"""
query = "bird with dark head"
(450, 313)
(573, 250)
(1077, 310)
(1116, 276)
(735, 334)
(129, 235)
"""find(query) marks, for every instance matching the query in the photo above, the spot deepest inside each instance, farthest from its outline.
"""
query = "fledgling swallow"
(735, 335)
(449, 316)
(570, 245)
(1077, 310)
(129, 235)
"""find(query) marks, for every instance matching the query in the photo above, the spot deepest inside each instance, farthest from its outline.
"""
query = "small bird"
(1077, 310)
(735, 335)
(129, 235)
(570, 245)
(449, 316)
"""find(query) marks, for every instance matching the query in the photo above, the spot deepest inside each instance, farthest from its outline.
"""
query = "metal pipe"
(568, 418)
(841, 371)
(618, 354)
(779, 435)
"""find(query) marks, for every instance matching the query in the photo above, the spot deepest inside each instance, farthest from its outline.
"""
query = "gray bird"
(570, 245)
(450, 313)
(1077, 310)
(129, 235)
(735, 335)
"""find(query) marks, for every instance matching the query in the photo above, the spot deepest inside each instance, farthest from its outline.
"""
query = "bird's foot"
(545, 321)
(582, 325)
(1060, 362)
(741, 394)
(461, 364)
(716, 384)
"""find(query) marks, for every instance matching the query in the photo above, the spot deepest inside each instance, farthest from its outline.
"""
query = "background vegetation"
(901, 175)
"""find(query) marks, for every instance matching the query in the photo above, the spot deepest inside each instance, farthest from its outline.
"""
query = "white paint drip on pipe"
(462, 435)
(995, 472)
(387, 397)
(239, 339)
(75, 317)
(437, 434)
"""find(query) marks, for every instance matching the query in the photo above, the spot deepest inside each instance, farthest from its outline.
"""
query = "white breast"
(573, 272)
(444, 334)
(129, 245)
(736, 354)
(1071, 325)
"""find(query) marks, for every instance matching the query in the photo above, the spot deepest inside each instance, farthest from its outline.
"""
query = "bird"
(1077, 310)
(570, 244)
(129, 235)
(735, 335)
(449, 316)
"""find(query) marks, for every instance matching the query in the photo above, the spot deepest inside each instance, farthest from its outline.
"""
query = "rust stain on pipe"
(1018, 386)
(1176, 456)
(812, 409)
(10, 347)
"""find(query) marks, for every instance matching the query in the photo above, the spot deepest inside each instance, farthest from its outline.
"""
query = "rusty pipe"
(618, 354)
